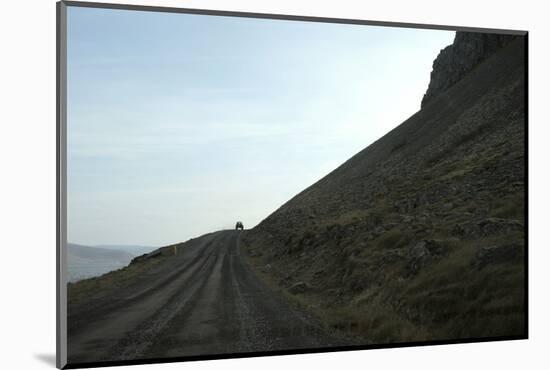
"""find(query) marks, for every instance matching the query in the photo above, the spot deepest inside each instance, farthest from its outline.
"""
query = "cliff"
(467, 51)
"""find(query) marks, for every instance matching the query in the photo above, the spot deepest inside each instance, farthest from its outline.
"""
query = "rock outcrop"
(464, 54)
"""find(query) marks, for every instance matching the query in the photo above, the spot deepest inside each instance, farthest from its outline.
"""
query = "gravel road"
(205, 301)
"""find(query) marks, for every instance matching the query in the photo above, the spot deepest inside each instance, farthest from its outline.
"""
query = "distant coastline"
(85, 262)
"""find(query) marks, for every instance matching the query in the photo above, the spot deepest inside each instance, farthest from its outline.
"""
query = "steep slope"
(420, 236)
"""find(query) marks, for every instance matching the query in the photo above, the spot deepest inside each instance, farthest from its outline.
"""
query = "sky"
(179, 125)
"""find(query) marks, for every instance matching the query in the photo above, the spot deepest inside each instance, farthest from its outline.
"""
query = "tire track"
(135, 343)
(200, 326)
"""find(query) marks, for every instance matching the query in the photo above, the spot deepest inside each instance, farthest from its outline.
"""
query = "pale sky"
(180, 125)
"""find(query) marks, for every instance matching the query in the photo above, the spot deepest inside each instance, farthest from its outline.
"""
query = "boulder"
(299, 287)
(420, 250)
(487, 227)
(421, 254)
(492, 226)
(497, 254)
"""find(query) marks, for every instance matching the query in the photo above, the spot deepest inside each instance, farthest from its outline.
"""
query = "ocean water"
(80, 272)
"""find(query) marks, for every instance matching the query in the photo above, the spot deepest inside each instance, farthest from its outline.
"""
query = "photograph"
(240, 184)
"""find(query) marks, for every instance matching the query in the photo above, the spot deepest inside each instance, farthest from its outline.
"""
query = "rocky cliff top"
(464, 54)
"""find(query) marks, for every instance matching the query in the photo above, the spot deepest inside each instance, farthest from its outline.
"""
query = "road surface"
(205, 301)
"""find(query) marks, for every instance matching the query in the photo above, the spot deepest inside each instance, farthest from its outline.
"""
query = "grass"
(394, 238)
(449, 298)
(511, 207)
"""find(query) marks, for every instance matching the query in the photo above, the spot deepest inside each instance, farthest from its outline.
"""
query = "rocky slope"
(453, 62)
(420, 236)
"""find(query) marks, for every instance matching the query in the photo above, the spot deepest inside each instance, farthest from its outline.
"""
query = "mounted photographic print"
(235, 184)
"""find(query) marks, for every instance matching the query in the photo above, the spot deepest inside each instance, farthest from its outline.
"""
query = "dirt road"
(205, 301)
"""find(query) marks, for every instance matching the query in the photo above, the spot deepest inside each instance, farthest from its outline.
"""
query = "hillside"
(420, 236)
